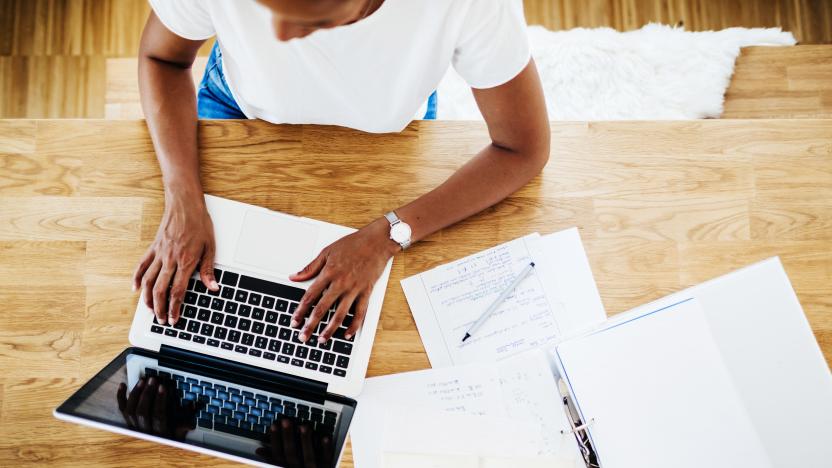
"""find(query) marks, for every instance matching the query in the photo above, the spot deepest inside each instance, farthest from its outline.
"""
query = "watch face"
(400, 232)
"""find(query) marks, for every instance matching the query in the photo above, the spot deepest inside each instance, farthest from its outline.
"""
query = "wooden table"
(660, 206)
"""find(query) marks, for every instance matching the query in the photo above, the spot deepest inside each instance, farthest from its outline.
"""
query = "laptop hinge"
(244, 374)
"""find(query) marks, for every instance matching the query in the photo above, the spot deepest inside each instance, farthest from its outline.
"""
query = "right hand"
(185, 238)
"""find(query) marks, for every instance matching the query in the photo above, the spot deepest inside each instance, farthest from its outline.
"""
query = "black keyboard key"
(190, 297)
(156, 329)
(258, 328)
(316, 355)
(212, 342)
(311, 365)
(342, 347)
(185, 336)
(347, 321)
(241, 349)
(258, 313)
(237, 431)
(241, 296)
(282, 305)
(248, 339)
(198, 339)
(292, 307)
(181, 324)
(199, 286)
(341, 333)
(217, 304)
(273, 289)
(170, 332)
(220, 333)
(288, 349)
(261, 342)
(342, 362)
(269, 355)
(327, 345)
(268, 302)
(207, 329)
(297, 362)
(244, 324)
(271, 317)
(325, 369)
(217, 318)
(204, 315)
(340, 372)
(254, 352)
(285, 334)
(205, 422)
(230, 279)
(254, 299)
(234, 336)
(285, 320)
(296, 337)
(193, 326)
(302, 352)
(227, 293)
(190, 312)
(230, 321)
(227, 346)
(271, 331)
(274, 345)
(283, 359)
(244, 310)
(230, 307)
(329, 359)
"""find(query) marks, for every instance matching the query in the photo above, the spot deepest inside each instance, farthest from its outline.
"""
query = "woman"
(365, 64)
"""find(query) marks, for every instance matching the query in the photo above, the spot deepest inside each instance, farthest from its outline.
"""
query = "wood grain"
(659, 205)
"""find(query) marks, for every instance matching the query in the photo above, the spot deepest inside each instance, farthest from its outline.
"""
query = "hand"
(152, 407)
(185, 238)
(297, 445)
(346, 271)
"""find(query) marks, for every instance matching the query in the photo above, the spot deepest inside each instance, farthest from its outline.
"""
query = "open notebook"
(724, 374)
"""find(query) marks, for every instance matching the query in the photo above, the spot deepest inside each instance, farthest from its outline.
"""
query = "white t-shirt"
(372, 75)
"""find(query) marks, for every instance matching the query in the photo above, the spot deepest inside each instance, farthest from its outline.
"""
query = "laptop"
(231, 378)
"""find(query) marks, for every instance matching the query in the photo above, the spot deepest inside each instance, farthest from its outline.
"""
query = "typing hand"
(184, 239)
(346, 272)
(296, 445)
(153, 407)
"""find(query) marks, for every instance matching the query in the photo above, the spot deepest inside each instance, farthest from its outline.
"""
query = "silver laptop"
(232, 368)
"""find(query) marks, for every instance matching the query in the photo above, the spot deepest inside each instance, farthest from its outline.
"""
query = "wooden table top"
(660, 206)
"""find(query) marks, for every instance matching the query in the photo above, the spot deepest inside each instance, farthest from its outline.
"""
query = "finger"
(276, 445)
(318, 314)
(133, 402)
(144, 264)
(337, 319)
(206, 268)
(309, 297)
(121, 397)
(307, 447)
(160, 413)
(361, 306)
(149, 280)
(312, 269)
(177, 293)
(290, 449)
(327, 451)
(145, 404)
(160, 291)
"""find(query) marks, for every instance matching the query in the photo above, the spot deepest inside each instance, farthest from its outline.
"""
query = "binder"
(726, 373)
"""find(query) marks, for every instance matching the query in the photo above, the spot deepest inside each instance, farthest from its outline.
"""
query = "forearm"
(169, 102)
(492, 175)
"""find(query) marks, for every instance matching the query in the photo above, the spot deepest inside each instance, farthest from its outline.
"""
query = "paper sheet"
(558, 296)
(521, 387)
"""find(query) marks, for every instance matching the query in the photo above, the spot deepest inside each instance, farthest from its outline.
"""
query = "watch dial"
(400, 232)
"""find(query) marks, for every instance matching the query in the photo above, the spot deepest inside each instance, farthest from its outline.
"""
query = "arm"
(185, 235)
(515, 113)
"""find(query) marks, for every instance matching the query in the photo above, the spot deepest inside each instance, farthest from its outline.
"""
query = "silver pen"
(502, 297)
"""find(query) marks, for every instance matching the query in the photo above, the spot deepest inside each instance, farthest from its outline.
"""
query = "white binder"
(723, 374)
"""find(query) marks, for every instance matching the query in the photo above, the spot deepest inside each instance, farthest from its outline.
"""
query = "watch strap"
(392, 218)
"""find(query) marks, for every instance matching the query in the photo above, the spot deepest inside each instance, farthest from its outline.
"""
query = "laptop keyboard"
(252, 316)
(235, 410)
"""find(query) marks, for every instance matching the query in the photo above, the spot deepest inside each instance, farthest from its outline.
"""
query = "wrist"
(187, 194)
(381, 231)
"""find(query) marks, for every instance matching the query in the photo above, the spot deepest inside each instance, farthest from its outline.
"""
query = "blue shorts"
(214, 99)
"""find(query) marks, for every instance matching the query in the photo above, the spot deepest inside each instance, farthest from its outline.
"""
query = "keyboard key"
(329, 358)
(327, 345)
(285, 320)
(291, 412)
(197, 389)
(230, 278)
(185, 336)
(238, 431)
(261, 342)
(269, 356)
(285, 334)
(258, 313)
(190, 297)
(248, 339)
(271, 331)
(239, 415)
(311, 365)
(341, 333)
(271, 316)
(241, 349)
(249, 401)
(268, 302)
(252, 419)
(342, 362)
(212, 342)
(217, 304)
(228, 407)
(207, 329)
(258, 328)
(206, 423)
(255, 352)
(302, 352)
(191, 282)
(230, 307)
(274, 345)
(230, 321)
(227, 293)
(282, 305)
(273, 289)
(244, 324)
(227, 346)
(234, 336)
(204, 315)
(222, 394)
(241, 296)
(199, 286)
(156, 329)
(190, 312)
(235, 398)
(316, 355)
(217, 318)
(342, 347)
(288, 349)
(340, 372)
(297, 362)
(199, 339)
(220, 333)
(170, 332)
(254, 299)
(259, 428)
(292, 307)
(213, 409)
(283, 359)
(244, 310)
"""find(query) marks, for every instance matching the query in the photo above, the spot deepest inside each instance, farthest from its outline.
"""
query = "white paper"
(559, 295)
(421, 460)
(521, 387)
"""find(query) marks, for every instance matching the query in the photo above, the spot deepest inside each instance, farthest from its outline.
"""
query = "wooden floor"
(660, 206)
(53, 52)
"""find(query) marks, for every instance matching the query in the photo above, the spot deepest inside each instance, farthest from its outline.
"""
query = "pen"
(498, 301)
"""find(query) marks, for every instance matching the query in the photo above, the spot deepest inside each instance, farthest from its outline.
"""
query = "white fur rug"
(657, 72)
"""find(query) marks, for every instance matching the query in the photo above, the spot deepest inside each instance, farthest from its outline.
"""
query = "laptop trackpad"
(276, 243)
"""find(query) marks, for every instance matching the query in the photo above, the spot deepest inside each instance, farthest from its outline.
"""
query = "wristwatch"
(399, 230)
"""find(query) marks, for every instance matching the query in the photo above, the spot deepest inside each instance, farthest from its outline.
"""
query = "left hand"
(347, 270)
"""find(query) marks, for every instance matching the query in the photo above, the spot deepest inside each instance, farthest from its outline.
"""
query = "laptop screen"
(218, 411)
